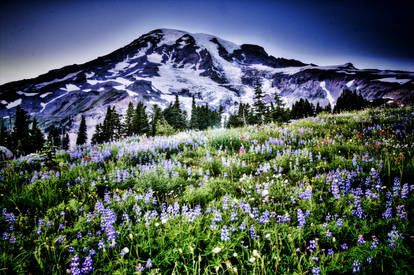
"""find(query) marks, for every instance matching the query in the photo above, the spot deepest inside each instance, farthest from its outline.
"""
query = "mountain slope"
(165, 62)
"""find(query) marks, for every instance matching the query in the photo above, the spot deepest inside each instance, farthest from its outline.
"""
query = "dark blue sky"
(37, 36)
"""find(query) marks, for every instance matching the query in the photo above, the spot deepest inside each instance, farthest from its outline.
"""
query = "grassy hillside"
(332, 194)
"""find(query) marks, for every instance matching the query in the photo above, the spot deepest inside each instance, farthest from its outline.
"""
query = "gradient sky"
(37, 36)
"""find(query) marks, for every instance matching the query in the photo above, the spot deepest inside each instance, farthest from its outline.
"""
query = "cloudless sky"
(37, 36)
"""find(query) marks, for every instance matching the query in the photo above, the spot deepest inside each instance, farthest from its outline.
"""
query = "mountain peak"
(166, 62)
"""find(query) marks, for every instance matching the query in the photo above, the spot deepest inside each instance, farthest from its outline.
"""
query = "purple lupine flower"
(252, 233)
(301, 218)
(87, 265)
(361, 239)
(356, 266)
(74, 265)
(375, 242)
(344, 246)
(243, 226)
(225, 234)
(328, 234)
(393, 237)
(387, 214)
(405, 190)
(316, 270)
(149, 263)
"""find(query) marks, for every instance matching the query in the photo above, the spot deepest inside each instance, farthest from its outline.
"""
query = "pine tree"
(98, 135)
(82, 136)
(4, 135)
(156, 116)
(175, 116)
(163, 128)
(20, 136)
(194, 115)
(259, 105)
(37, 139)
(140, 120)
(65, 141)
(54, 137)
(128, 120)
(318, 109)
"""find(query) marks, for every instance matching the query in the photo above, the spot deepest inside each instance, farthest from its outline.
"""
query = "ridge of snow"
(26, 94)
(45, 94)
(70, 88)
(286, 70)
(328, 93)
(393, 80)
(89, 75)
(154, 58)
(15, 103)
(41, 85)
(56, 98)
(349, 84)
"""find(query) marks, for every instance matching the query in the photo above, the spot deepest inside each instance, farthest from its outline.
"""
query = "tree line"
(25, 137)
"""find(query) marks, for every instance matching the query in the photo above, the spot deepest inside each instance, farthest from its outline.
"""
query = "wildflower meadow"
(330, 194)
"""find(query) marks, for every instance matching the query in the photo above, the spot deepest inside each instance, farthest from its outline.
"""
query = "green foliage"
(175, 117)
(82, 136)
(349, 101)
(303, 190)
(163, 128)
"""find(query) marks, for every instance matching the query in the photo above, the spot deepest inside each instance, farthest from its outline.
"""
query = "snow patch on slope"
(70, 88)
(41, 85)
(349, 84)
(26, 94)
(328, 94)
(15, 103)
(394, 80)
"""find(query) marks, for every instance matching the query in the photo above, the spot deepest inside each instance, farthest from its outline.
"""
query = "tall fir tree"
(21, 134)
(156, 116)
(194, 115)
(37, 139)
(140, 120)
(279, 112)
(259, 105)
(53, 137)
(4, 135)
(98, 135)
(82, 135)
(175, 116)
(129, 119)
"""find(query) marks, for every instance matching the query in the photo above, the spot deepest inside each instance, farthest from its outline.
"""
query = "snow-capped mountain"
(165, 62)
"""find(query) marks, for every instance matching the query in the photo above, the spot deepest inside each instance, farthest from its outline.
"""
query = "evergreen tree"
(328, 108)
(65, 141)
(318, 109)
(156, 116)
(37, 139)
(54, 137)
(140, 120)
(4, 135)
(194, 115)
(175, 116)
(348, 101)
(259, 105)
(129, 120)
(21, 134)
(82, 135)
(279, 113)
(98, 135)
(163, 128)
